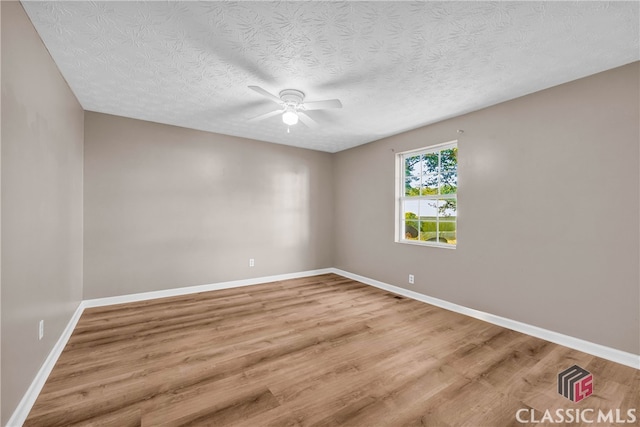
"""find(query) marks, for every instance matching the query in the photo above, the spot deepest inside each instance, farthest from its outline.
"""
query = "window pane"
(411, 230)
(428, 219)
(411, 207)
(447, 212)
(428, 208)
(447, 208)
(412, 174)
(447, 231)
(429, 174)
(449, 171)
(411, 222)
(428, 229)
(429, 184)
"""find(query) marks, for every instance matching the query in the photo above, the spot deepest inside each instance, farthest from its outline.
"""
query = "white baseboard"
(612, 354)
(100, 302)
(26, 403)
(24, 407)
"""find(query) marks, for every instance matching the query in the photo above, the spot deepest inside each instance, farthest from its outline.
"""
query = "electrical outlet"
(40, 329)
(252, 262)
(411, 279)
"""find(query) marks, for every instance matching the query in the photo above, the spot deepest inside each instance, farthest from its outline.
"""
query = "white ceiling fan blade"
(321, 105)
(265, 116)
(308, 121)
(266, 94)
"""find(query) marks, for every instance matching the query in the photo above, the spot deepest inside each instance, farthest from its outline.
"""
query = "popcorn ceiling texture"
(394, 65)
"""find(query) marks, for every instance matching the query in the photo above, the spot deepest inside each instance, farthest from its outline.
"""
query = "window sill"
(427, 244)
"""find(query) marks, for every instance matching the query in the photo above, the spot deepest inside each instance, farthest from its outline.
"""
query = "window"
(427, 196)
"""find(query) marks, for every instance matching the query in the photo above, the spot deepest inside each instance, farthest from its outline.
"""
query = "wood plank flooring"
(322, 351)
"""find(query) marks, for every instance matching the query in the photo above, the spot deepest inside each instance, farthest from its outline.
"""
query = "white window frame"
(400, 236)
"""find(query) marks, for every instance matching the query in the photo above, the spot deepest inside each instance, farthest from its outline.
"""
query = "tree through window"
(428, 197)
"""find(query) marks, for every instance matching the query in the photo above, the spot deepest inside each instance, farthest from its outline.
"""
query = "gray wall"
(167, 207)
(42, 137)
(548, 211)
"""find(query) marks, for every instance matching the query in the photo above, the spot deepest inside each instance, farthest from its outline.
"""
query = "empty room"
(320, 213)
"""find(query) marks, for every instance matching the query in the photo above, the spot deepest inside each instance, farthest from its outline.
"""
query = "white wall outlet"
(40, 329)
(252, 262)
(411, 279)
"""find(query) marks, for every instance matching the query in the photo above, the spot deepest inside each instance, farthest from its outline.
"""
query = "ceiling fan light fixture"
(292, 106)
(290, 117)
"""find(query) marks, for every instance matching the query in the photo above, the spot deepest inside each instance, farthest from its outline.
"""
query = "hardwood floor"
(322, 350)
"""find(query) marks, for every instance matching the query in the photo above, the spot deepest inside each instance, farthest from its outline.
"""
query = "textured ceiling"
(394, 65)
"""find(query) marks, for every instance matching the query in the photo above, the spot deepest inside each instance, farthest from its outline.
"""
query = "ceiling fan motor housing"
(292, 97)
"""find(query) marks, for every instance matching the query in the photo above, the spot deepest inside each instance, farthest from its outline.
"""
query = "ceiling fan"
(292, 106)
